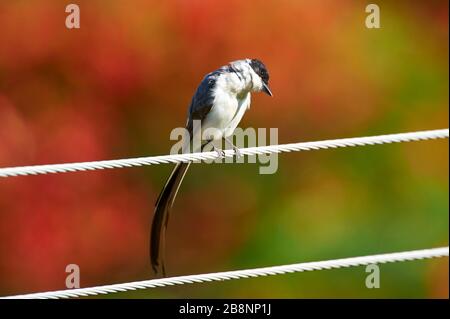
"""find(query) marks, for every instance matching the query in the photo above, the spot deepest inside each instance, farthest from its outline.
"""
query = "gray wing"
(203, 99)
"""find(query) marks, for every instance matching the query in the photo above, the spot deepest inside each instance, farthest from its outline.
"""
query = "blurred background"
(117, 86)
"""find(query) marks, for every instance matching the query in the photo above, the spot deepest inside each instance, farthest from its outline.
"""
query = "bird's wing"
(202, 101)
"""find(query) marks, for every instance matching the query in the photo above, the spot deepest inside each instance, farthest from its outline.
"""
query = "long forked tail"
(161, 216)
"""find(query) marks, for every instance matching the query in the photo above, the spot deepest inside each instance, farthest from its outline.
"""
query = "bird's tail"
(161, 216)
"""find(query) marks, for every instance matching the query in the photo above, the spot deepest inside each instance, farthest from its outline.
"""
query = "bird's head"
(253, 73)
(261, 80)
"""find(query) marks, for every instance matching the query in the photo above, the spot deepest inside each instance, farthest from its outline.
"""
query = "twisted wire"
(176, 158)
(241, 274)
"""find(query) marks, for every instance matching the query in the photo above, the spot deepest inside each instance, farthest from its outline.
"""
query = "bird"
(218, 104)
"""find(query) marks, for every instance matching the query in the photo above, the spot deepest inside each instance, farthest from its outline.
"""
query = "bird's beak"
(266, 89)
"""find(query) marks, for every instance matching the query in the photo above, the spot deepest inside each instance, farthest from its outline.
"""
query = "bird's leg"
(220, 152)
(235, 148)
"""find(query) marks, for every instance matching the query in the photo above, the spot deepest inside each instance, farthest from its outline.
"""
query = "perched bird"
(219, 104)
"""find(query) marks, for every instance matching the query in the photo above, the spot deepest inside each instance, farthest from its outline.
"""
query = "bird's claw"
(237, 152)
(220, 152)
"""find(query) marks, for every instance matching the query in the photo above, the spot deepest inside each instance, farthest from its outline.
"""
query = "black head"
(260, 69)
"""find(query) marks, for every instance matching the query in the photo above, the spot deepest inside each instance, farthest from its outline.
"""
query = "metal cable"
(240, 274)
(154, 160)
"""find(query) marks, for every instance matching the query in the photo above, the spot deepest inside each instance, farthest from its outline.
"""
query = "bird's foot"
(220, 152)
(237, 152)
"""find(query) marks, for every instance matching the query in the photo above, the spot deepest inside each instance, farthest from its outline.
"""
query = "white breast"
(243, 105)
(231, 100)
(225, 114)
